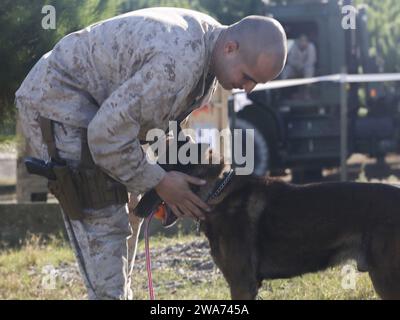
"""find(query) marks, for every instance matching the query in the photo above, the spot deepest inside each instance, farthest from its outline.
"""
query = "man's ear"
(231, 46)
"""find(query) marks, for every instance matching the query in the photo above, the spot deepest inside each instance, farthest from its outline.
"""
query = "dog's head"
(214, 171)
(205, 163)
(207, 166)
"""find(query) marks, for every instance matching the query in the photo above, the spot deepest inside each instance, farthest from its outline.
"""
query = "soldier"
(118, 79)
(301, 59)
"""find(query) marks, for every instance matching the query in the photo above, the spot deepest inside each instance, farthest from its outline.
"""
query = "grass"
(21, 277)
(22, 271)
(7, 138)
(8, 143)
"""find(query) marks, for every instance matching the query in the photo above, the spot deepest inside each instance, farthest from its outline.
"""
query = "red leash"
(148, 258)
(161, 212)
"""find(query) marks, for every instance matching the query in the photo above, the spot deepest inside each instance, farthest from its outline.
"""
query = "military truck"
(303, 134)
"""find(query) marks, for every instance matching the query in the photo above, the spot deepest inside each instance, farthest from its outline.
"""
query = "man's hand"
(175, 191)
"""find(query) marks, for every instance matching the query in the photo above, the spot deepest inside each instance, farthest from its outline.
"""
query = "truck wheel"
(261, 150)
(264, 121)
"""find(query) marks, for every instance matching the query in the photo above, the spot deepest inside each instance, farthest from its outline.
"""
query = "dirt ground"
(183, 269)
(363, 168)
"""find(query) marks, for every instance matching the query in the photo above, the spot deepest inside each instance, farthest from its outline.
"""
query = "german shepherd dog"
(262, 228)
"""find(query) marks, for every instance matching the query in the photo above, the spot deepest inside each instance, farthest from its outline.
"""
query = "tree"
(226, 12)
(24, 41)
(384, 28)
(130, 5)
(231, 11)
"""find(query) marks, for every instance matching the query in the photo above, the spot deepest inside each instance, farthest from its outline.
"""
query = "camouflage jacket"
(122, 77)
(299, 59)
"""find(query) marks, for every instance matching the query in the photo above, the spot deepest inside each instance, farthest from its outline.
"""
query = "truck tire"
(261, 150)
(264, 121)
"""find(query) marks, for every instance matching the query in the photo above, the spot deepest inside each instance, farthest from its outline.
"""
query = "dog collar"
(219, 187)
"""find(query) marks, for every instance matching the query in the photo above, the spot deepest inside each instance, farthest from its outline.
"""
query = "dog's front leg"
(237, 262)
(243, 292)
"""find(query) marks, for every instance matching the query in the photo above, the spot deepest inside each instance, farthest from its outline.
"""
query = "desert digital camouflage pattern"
(122, 77)
(119, 78)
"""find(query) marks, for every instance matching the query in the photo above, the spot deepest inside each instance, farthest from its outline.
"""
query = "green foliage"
(77, 14)
(231, 11)
(130, 5)
(226, 12)
(384, 27)
(24, 41)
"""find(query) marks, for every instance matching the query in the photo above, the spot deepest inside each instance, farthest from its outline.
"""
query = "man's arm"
(294, 57)
(113, 135)
(113, 132)
(311, 56)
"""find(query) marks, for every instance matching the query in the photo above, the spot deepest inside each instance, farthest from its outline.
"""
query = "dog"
(264, 228)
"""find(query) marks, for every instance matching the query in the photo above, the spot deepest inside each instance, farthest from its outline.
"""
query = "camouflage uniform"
(300, 63)
(119, 78)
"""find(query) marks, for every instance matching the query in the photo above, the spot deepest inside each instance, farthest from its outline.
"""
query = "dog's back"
(271, 229)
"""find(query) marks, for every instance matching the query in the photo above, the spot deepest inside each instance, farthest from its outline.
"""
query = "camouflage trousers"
(104, 242)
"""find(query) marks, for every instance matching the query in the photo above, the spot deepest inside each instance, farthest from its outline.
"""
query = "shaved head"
(257, 45)
(260, 35)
